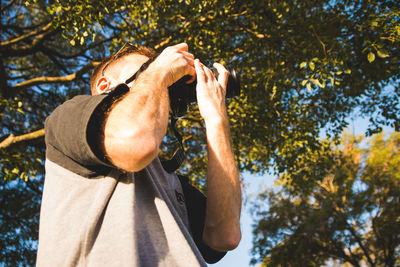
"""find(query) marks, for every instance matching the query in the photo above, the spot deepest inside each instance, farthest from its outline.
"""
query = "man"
(107, 200)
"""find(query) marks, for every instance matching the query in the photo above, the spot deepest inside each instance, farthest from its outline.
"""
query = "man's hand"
(211, 92)
(173, 63)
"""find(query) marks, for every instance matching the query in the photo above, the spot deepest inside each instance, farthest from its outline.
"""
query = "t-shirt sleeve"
(73, 135)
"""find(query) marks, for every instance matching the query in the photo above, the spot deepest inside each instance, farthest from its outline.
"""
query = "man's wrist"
(154, 76)
(217, 122)
(157, 74)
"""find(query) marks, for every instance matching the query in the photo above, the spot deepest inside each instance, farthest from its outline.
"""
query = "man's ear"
(103, 84)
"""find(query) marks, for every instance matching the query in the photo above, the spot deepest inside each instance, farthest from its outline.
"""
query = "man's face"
(119, 71)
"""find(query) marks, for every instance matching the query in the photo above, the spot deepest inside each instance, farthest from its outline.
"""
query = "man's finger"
(189, 57)
(182, 47)
(223, 74)
(199, 70)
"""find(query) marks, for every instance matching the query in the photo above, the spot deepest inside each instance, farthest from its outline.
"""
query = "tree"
(19, 220)
(351, 217)
(305, 66)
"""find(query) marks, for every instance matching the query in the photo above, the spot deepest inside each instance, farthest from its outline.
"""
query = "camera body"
(182, 94)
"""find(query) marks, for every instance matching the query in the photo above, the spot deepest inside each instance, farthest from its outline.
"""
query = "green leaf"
(312, 65)
(303, 64)
(317, 82)
(382, 53)
(371, 57)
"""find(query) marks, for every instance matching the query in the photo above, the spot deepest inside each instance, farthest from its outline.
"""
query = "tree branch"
(115, 28)
(23, 50)
(61, 79)
(47, 50)
(340, 252)
(25, 36)
(19, 28)
(322, 43)
(363, 248)
(11, 139)
(353, 232)
(32, 187)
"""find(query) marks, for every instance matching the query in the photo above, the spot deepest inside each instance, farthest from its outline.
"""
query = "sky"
(241, 256)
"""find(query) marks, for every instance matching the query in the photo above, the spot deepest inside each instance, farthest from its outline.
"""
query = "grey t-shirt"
(93, 214)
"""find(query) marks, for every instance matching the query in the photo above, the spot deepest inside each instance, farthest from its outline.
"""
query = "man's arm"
(137, 124)
(222, 225)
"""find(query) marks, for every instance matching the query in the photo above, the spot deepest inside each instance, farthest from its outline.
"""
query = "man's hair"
(106, 62)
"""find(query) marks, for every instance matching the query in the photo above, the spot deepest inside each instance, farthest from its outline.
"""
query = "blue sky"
(241, 255)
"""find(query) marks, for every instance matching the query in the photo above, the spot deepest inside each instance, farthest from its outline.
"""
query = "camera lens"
(182, 94)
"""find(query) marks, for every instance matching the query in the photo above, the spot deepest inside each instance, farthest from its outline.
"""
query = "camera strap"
(142, 68)
(178, 157)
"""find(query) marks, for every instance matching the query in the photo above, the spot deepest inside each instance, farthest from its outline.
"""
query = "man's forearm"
(136, 125)
(222, 226)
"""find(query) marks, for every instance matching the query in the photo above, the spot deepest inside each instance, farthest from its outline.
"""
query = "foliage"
(304, 65)
(19, 219)
(352, 216)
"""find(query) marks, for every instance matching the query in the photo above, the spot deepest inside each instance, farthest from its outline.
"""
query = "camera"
(182, 94)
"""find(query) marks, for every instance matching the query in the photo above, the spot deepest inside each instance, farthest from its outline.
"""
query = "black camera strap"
(178, 157)
(142, 68)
